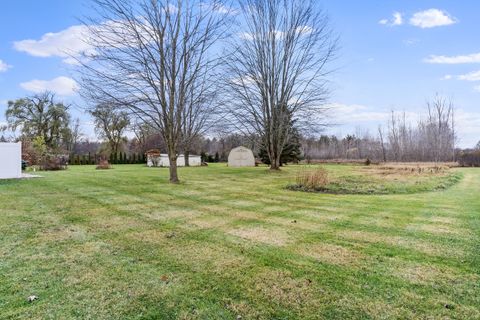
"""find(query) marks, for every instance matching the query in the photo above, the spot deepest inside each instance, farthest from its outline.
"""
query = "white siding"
(163, 161)
(10, 160)
(241, 157)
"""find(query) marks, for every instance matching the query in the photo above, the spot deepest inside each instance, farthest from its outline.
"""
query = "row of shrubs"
(115, 158)
(469, 159)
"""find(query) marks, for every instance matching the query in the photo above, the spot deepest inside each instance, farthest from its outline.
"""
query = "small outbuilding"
(10, 160)
(241, 157)
(157, 159)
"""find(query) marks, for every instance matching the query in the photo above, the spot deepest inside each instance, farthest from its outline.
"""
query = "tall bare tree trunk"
(187, 156)
(172, 157)
(384, 153)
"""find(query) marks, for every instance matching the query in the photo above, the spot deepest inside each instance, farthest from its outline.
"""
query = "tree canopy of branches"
(277, 70)
(40, 115)
(154, 58)
(291, 152)
(110, 124)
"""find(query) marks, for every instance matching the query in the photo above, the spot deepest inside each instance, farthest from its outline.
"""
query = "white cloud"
(469, 58)
(471, 76)
(468, 128)
(62, 86)
(4, 66)
(431, 18)
(64, 44)
(305, 30)
(396, 20)
(301, 30)
(355, 113)
(218, 8)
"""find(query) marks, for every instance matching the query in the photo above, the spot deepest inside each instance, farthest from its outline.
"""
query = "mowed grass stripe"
(101, 243)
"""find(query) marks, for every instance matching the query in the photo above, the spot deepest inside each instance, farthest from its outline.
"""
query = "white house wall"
(10, 160)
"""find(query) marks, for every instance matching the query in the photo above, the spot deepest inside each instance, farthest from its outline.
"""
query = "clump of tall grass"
(311, 179)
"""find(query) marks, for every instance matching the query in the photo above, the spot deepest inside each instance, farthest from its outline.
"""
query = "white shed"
(241, 157)
(10, 160)
(157, 159)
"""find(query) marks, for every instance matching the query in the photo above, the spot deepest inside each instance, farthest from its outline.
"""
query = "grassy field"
(380, 179)
(234, 244)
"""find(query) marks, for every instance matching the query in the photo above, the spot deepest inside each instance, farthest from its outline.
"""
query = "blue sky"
(394, 55)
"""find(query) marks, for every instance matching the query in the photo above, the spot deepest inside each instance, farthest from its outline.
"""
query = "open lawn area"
(234, 244)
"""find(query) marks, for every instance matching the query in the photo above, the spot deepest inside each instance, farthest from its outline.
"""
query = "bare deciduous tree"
(198, 115)
(382, 143)
(440, 125)
(277, 70)
(110, 124)
(149, 56)
(74, 136)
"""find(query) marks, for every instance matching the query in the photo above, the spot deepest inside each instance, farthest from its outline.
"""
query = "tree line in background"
(432, 138)
(171, 73)
(46, 129)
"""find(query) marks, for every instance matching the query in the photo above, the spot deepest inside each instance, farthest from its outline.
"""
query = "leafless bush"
(53, 163)
(103, 164)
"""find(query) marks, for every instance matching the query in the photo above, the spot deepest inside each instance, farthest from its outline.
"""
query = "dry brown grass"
(331, 253)
(312, 179)
(281, 287)
(271, 236)
(209, 222)
(436, 228)
(402, 170)
(62, 233)
(428, 274)
(296, 223)
(425, 247)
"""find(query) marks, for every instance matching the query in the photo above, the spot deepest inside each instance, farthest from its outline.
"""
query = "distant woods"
(433, 137)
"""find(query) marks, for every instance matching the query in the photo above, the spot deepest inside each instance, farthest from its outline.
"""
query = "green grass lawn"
(229, 243)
